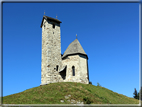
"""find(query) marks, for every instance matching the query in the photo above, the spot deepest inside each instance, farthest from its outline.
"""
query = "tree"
(98, 84)
(140, 93)
(135, 94)
(138, 96)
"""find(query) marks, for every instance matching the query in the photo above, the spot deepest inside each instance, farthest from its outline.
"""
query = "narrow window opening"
(53, 26)
(57, 67)
(44, 26)
(73, 71)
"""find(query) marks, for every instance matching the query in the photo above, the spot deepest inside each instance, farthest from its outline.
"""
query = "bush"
(98, 84)
(87, 100)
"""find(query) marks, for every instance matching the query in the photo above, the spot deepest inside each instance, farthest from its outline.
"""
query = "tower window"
(53, 26)
(73, 71)
(56, 67)
(44, 26)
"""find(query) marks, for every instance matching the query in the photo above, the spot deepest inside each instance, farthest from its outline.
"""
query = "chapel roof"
(50, 18)
(74, 48)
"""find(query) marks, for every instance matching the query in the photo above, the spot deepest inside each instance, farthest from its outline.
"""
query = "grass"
(53, 93)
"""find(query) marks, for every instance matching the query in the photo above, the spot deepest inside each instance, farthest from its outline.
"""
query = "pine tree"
(140, 93)
(135, 94)
(138, 96)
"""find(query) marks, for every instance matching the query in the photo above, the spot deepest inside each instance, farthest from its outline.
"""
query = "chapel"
(72, 66)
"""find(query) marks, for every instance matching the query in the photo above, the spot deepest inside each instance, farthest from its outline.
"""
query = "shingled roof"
(50, 18)
(74, 48)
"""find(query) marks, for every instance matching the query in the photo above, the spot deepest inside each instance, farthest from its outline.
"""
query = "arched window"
(73, 70)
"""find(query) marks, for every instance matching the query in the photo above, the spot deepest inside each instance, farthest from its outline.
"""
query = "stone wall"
(83, 69)
(80, 69)
(51, 52)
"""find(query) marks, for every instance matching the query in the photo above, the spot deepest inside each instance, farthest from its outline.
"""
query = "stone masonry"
(81, 74)
(57, 68)
(51, 51)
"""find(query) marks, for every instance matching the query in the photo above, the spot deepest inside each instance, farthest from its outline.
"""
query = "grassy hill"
(68, 93)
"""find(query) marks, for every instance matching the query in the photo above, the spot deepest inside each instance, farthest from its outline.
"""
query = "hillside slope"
(67, 93)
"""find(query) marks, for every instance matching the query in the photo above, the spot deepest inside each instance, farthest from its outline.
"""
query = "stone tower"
(51, 50)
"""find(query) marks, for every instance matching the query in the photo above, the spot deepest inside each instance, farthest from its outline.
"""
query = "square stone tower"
(51, 50)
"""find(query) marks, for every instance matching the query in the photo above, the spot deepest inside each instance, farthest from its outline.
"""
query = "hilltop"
(68, 93)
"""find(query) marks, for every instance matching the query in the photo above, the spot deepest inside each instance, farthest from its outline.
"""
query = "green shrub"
(98, 84)
(87, 100)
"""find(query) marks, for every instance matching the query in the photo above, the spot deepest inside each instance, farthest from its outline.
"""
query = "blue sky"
(108, 32)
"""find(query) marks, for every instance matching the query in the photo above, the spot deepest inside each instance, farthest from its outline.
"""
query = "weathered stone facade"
(51, 51)
(57, 68)
(81, 71)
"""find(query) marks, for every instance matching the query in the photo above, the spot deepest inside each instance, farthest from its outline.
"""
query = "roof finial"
(76, 36)
(56, 16)
(44, 12)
